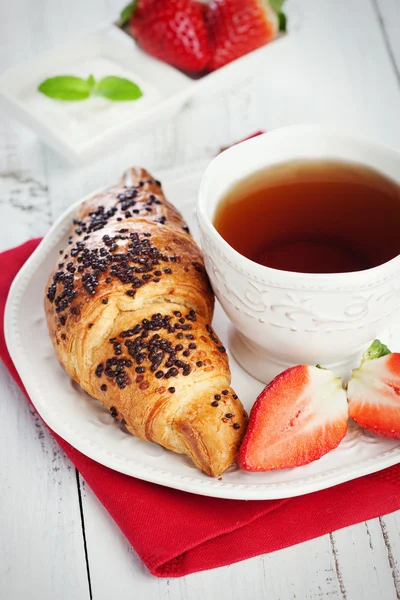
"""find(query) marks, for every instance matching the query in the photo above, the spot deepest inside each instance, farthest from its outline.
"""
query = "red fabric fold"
(176, 533)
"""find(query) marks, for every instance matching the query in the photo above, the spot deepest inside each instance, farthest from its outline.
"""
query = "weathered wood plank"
(41, 547)
(305, 571)
(390, 528)
(24, 202)
(362, 565)
(388, 14)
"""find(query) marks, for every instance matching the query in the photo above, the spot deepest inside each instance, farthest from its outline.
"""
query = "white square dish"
(82, 131)
(85, 424)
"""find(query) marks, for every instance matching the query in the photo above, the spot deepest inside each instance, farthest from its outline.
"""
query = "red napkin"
(176, 533)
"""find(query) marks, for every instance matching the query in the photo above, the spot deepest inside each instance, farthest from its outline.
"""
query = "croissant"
(129, 309)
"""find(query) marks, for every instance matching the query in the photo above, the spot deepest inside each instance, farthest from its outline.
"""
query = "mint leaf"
(117, 89)
(70, 88)
(376, 350)
(91, 82)
(66, 87)
(282, 21)
(126, 13)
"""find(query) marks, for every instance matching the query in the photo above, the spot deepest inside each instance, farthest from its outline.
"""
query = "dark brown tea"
(313, 217)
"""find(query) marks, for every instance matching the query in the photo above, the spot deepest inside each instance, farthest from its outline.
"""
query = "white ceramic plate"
(83, 131)
(84, 423)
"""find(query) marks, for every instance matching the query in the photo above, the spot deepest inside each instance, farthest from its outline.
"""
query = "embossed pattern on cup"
(286, 318)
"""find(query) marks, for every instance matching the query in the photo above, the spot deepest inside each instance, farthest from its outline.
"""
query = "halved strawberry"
(237, 27)
(173, 31)
(300, 416)
(373, 392)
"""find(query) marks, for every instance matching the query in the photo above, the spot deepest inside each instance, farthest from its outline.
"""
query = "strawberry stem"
(282, 21)
(276, 5)
(376, 350)
(126, 13)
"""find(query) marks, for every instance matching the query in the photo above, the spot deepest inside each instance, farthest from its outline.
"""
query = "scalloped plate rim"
(201, 484)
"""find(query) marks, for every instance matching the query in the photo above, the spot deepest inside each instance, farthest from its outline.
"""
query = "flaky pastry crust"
(129, 309)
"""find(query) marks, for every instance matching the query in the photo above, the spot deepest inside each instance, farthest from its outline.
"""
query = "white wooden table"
(56, 540)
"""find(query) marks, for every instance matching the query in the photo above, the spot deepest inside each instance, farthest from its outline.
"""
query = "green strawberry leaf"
(126, 13)
(376, 350)
(117, 89)
(282, 21)
(66, 87)
(276, 5)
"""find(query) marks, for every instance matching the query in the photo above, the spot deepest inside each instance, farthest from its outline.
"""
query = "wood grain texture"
(342, 72)
(41, 536)
(388, 15)
(306, 571)
(41, 543)
(359, 550)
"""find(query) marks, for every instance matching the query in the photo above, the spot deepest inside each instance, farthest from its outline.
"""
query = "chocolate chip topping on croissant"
(129, 310)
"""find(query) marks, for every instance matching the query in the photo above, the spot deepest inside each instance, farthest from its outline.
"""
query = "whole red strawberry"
(237, 27)
(173, 31)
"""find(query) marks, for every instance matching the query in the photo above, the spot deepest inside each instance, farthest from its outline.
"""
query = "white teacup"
(284, 318)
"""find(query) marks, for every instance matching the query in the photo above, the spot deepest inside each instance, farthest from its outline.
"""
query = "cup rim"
(262, 270)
